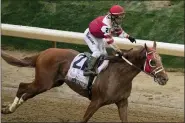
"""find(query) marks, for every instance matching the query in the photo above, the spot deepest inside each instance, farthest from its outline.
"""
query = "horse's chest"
(119, 92)
(123, 95)
(117, 97)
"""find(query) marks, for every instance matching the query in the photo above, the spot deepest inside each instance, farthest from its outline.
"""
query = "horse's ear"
(146, 47)
(154, 45)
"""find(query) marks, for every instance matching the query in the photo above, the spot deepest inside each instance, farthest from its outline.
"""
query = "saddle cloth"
(75, 72)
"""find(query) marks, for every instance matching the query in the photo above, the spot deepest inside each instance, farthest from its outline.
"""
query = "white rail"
(77, 38)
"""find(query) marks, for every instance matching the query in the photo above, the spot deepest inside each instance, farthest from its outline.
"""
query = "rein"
(136, 66)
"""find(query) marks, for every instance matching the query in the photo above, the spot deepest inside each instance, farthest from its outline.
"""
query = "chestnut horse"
(112, 85)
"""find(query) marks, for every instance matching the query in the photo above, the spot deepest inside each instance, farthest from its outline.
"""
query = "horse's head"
(153, 65)
(145, 59)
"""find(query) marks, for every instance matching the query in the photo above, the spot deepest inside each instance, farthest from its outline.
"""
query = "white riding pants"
(97, 46)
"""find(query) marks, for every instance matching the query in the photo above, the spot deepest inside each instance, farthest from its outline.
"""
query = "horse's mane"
(131, 54)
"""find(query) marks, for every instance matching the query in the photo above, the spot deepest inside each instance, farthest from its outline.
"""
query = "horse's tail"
(25, 62)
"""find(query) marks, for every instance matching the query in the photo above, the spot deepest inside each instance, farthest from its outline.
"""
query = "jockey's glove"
(120, 54)
(132, 39)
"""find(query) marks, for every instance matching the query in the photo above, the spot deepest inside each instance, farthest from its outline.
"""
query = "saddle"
(77, 67)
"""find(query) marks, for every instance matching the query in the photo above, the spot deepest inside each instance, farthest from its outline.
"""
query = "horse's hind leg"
(45, 79)
(9, 108)
(27, 91)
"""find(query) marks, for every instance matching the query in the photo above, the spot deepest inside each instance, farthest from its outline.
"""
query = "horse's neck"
(123, 68)
(138, 58)
(138, 62)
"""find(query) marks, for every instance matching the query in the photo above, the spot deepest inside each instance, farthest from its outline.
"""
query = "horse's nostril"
(165, 79)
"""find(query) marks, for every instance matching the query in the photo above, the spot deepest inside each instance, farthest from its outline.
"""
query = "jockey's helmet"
(116, 10)
(117, 13)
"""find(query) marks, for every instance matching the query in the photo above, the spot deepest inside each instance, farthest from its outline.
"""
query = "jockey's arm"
(116, 48)
(108, 38)
(122, 34)
(110, 42)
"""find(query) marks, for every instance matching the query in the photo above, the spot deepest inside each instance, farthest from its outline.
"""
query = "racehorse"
(112, 85)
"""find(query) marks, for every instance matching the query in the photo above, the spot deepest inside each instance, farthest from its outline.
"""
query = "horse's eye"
(152, 63)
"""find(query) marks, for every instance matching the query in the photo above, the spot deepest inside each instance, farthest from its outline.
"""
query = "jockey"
(100, 32)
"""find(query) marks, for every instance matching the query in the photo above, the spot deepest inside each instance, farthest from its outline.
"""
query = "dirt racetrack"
(148, 101)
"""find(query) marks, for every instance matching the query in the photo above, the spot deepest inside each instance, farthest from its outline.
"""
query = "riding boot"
(90, 67)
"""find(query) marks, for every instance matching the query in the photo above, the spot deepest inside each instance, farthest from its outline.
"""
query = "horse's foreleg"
(92, 108)
(122, 109)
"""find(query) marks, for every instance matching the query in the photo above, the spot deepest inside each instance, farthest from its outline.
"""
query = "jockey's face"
(118, 19)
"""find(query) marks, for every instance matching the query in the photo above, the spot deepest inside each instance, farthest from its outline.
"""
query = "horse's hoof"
(6, 110)
(4, 105)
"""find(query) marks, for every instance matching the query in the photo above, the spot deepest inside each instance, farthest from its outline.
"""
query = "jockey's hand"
(132, 39)
(120, 54)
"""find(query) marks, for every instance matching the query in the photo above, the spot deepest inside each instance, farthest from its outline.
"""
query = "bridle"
(153, 72)
(157, 69)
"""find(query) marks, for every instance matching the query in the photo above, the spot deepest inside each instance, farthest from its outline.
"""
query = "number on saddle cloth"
(80, 64)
